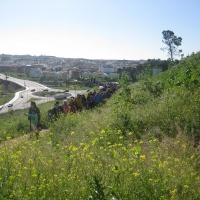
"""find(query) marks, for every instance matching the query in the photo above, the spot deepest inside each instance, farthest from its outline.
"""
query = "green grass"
(141, 144)
(6, 98)
(75, 87)
(7, 94)
(33, 99)
(21, 76)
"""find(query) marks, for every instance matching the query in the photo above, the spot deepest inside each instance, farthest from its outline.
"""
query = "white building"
(106, 69)
(36, 73)
(156, 71)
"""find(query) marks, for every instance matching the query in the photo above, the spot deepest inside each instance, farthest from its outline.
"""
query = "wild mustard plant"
(95, 157)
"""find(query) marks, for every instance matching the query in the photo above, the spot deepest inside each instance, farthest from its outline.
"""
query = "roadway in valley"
(20, 101)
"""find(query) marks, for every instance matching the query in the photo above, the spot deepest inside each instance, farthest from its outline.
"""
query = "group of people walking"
(82, 101)
(74, 105)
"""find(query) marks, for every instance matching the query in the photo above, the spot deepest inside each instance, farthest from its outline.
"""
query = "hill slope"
(141, 144)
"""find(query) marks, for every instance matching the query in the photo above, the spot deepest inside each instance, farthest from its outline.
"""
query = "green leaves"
(172, 42)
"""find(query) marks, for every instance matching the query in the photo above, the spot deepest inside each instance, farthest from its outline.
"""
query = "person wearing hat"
(65, 107)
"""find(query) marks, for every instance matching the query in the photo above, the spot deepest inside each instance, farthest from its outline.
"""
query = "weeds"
(142, 144)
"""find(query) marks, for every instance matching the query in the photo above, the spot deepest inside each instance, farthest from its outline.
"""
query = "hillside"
(143, 143)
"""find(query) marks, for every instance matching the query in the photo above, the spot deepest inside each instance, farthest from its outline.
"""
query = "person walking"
(56, 109)
(65, 107)
(33, 118)
(79, 102)
(38, 113)
(97, 98)
(72, 105)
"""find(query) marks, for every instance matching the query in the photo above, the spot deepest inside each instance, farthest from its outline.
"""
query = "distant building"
(156, 71)
(65, 75)
(74, 74)
(86, 71)
(36, 73)
(8, 68)
(6, 58)
(48, 74)
(106, 69)
(12, 68)
(52, 75)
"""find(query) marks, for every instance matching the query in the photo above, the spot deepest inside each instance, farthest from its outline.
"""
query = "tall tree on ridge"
(172, 42)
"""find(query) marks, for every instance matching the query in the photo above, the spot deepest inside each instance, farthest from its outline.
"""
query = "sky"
(97, 29)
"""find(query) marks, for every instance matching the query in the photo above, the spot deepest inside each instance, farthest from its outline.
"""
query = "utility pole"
(27, 95)
(6, 88)
(6, 82)
(75, 86)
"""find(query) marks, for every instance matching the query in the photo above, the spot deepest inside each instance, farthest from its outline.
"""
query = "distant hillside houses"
(35, 66)
(50, 75)
(12, 68)
(86, 71)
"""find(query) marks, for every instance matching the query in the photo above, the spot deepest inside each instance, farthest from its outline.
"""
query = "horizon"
(97, 30)
(67, 58)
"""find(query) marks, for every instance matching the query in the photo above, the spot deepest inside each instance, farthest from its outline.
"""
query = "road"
(20, 101)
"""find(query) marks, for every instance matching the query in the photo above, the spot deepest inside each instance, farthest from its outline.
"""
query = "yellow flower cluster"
(50, 169)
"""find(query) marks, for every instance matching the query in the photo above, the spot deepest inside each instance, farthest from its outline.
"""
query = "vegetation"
(7, 91)
(143, 143)
(172, 42)
(145, 70)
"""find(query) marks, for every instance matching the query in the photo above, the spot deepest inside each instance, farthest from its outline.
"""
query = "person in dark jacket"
(37, 110)
(33, 118)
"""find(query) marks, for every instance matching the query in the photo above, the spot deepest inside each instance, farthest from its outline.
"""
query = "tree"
(172, 42)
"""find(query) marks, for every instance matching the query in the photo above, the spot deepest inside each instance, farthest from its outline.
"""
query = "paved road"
(21, 97)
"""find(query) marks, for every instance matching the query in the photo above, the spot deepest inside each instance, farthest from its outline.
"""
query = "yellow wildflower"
(142, 157)
(72, 133)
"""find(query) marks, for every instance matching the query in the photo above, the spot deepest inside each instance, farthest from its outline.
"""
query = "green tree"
(172, 42)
